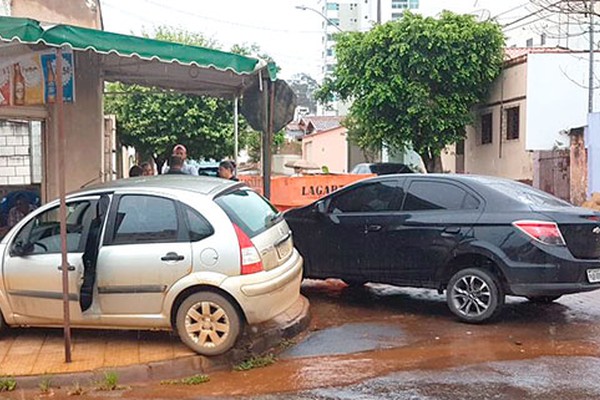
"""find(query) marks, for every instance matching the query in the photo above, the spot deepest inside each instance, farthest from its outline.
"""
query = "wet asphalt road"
(384, 342)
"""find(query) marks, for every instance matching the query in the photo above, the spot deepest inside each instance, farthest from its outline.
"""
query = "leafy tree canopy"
(153, 120)
(414, 81)
(305, 87)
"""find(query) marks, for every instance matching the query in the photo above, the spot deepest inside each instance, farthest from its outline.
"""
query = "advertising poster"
(48, 62)
(5, 89)
(31, 79)
(28, 82)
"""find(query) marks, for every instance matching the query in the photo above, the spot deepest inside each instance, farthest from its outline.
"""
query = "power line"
(542, 9)
(510, 10)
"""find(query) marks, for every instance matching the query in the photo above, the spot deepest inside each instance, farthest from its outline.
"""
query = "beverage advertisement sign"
(48, 62)
(31, 79)
(5, 87)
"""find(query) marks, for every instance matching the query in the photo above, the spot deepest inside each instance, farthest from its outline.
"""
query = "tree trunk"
(433, 163)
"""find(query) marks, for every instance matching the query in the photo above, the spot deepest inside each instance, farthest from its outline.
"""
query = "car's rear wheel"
(208, 323)
(474, 295)
(543, 299)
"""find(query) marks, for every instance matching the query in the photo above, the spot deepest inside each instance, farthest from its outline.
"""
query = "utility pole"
(591, 66)
(378, 12)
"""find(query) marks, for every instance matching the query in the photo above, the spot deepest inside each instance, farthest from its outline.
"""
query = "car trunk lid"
(261, 222)
(580, 228)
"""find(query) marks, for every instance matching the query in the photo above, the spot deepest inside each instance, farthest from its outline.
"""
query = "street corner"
(31, 356)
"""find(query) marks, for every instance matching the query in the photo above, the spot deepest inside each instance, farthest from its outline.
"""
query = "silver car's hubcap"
(471, 296)
(207, 324)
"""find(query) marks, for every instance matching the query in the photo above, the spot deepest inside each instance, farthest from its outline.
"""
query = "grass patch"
(75, 390)
(45, 384)
(110, 381)
(7, 384)
(286, 344)
(191, 380)
(256, 362)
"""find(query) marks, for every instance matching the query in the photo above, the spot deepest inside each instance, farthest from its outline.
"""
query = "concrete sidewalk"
(28, 353)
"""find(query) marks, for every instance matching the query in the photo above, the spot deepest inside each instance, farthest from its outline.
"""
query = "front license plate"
(593, 275)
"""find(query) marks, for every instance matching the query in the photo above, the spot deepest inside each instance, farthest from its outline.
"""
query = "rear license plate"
(284, 249)
(593, 275)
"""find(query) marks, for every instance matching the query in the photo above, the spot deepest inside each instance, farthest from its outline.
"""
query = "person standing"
(147, 169)
(180, 151)
(227, 171)
(176, 166)
(21, 208)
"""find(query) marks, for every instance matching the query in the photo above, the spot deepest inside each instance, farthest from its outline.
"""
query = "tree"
(154, 120)
(414, 81)
(305, 87)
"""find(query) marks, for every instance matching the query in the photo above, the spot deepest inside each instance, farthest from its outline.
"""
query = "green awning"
(148, 62)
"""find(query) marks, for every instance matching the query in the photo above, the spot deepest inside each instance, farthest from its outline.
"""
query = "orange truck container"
(297, 191)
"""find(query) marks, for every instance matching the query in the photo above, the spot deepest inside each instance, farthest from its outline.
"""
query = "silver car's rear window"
(248, 210)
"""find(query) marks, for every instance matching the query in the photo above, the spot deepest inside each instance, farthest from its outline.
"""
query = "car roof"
(200, 184)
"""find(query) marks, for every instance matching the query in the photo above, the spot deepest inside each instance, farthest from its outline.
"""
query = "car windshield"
(248, 210)
(528, 195)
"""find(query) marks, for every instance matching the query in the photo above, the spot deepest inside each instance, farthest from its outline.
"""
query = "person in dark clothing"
(135, 170)
(227, 170)
(175, 166)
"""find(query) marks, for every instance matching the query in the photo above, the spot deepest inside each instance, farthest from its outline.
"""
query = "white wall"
(557, 97)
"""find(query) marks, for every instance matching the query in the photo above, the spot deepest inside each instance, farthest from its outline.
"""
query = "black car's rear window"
(249, 210)
(527, 195)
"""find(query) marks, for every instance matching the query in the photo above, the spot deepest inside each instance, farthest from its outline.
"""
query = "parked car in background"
(476, 238)
(201, 256)
(381, 168)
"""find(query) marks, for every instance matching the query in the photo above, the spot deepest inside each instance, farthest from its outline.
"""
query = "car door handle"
(69, 268)
(451, 230)
(372, 228)
(172, 256)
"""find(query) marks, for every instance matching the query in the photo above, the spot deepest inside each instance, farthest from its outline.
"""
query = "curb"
(255, 340)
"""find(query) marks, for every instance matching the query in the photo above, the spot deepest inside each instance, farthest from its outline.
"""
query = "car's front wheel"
(208, 323)
(474, 295)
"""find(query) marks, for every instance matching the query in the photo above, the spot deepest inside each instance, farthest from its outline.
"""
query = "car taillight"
(250, 261)
(542, 231)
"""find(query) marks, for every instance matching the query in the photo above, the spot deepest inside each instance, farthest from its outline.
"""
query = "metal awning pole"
(236, 130)
(63, 205)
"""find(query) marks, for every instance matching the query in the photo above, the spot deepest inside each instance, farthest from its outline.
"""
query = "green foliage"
(45, 384)
(109, 381)
(7, 384)
(192, 380)
(154, 120)
(305, 87)
(255, 362)
(415, 80)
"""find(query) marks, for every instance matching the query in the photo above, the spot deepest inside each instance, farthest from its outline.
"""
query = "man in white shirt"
(180, 151)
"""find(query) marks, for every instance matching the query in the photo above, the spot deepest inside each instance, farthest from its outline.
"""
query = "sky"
(292, 37)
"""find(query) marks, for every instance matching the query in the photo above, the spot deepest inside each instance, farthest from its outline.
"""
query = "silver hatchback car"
(199, 255)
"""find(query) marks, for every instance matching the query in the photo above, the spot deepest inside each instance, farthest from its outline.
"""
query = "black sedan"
(478, 238)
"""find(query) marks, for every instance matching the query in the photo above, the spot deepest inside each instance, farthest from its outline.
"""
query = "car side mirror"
(320, 207)
(22, 249)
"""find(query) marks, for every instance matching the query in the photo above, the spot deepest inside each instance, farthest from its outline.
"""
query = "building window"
(460, 147)
(396, 16)
(330, 52)
(413, 4)
(543, 39)
(486, 128)
(333, 6)
(334, 21)
(529, 42)
(512, 123)
(330, 37)
(400, 4)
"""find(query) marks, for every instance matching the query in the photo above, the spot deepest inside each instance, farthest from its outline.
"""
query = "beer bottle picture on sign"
(50, 82)
(19, 86)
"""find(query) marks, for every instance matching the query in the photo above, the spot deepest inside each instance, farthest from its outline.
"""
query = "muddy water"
(431, 339)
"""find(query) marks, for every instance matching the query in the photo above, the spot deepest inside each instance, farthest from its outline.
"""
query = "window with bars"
(486, 128)
(512, 123)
